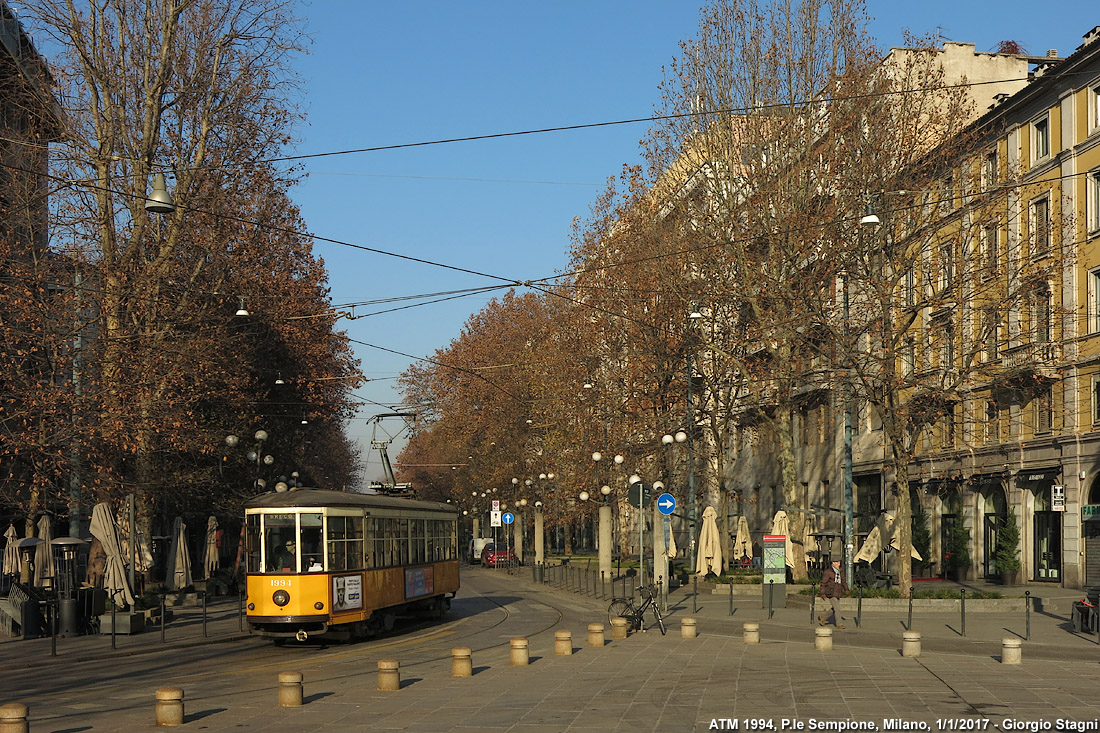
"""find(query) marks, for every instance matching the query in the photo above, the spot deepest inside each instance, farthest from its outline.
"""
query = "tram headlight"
(319, 606)
(251, 606)
(280, 598)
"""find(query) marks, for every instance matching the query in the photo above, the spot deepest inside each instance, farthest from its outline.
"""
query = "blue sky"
(390, 73)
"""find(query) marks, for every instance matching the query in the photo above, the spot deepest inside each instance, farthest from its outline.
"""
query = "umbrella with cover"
(742, 543)
(782, 525)
(11, 552)
(210, 560)
(179, 562)
(114, 576)
(709, 558)
(43, 554)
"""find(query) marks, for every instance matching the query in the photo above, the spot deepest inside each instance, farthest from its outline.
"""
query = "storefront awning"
(940, 485)
(983, 482)
(1037, 479)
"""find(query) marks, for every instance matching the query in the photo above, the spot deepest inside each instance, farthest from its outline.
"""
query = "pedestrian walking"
(833, 588)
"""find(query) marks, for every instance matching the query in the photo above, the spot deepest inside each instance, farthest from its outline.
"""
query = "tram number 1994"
(280, 582)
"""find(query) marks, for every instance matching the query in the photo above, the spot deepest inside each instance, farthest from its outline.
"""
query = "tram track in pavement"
(114, 690)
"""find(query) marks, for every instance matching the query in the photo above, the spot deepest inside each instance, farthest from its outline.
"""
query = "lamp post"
(693, 317)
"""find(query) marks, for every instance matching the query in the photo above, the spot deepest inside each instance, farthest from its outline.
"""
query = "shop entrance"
(995, 505)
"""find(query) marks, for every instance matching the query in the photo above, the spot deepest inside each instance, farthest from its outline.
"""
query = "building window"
(989, 169)
(908, 358)
(992, 423)
(947, 266)
(1092, 182)
(949, 427)
(1096, 400)
(947, 195)
(988, 335)
(1094, 301)
(910, 287)
(1040, 227)
(1042, 329)
(1041, 137)
(1094, 107)
(990, 249)
(1044, 412)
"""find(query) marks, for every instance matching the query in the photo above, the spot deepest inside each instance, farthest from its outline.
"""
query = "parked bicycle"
(634, 615)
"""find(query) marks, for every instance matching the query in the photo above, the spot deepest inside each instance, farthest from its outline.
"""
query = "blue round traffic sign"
(666, 504)
(507, 517)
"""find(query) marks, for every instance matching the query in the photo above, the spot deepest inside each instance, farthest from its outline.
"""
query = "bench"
(11, 610)
(867, 577)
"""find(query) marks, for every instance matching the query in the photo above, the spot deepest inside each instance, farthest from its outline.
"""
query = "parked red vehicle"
(491, 557)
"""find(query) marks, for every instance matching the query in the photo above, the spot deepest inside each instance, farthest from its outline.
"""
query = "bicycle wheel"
(660, 620)
(619, 607)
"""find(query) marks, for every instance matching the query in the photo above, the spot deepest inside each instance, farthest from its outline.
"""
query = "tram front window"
(280, 542)
(312, 537)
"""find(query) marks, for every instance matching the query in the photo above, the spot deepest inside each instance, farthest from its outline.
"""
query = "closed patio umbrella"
(210, 560)
(103, 528)
(43, 554)
(709, 557)
(782, 525)
(742, 543)
(178, 573)
(11, 552)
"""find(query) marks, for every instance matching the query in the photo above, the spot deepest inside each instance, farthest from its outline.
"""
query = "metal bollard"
(813, 601)
(169, 706)
(1027, 615)
(389, 675)
(910, 644)
(687, 628)
(13, 718)
(462, 662)
(751, 632)
(771, 595)
(163, 615)
(204, 614)
(859, 608)
(731, 601)
(563, 643)
(520, 655)
(909, 623)
(240, 609)
(695, 593)
(114, 625)
(290, 689)
(620, 628)
(962, 608)
(595, 635)
(823, 639)
(1011, 652)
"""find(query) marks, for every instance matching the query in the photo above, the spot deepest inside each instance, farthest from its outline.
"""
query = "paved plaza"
(647, 682)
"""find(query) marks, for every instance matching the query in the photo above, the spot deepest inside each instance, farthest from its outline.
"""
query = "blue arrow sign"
(666, 504)
(507, 517)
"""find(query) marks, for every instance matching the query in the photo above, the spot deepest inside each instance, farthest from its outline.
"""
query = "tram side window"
(417, 540)
(375, 556)
(402, 538)
(280, 543)
(345, 543)
(252, 543)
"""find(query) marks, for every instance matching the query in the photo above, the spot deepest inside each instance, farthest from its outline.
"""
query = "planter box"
(126, 623)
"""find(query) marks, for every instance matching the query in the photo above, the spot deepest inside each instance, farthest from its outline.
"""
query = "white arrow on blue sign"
(666, 504)
(507, 517)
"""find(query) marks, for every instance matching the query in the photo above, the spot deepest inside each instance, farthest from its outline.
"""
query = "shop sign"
(1058, 498)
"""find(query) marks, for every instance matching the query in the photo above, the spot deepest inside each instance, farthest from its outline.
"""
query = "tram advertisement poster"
(347, 592)
(419, 581)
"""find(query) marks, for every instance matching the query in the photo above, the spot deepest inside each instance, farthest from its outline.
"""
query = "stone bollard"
(520, 654)
(290, 689)
(910, 644)
(823, 639)
(687, 628)
(752, 632)
(389, 675)
(620, 627)
(563, 643)
(13, 718)
(169, 706)
(462, 661)
(595, 634)
(1011, 653)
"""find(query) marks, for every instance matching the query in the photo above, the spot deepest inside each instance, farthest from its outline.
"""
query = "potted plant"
(957, 550)
(1006, 555)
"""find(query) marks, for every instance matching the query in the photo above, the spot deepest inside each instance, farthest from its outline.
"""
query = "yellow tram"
(344, 564)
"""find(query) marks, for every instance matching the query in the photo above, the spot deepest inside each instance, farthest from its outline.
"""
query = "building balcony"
(1040, 358)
